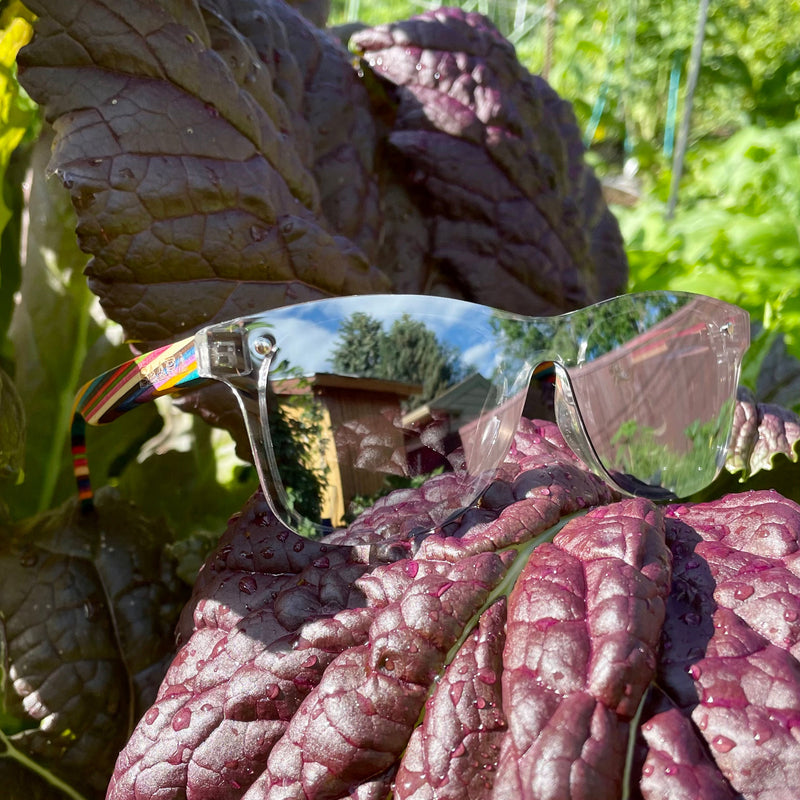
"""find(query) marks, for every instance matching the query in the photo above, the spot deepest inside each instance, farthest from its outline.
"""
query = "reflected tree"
(409, 352)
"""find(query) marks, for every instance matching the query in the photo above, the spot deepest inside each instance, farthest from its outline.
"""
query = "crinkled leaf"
(489, 657)
(730, 653)
(228, 161)
(493, 199)
(677, 764)
(761, 433)
(88, 604)
(191, 173)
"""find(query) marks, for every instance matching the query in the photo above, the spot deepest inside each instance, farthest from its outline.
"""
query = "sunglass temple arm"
(166, 370)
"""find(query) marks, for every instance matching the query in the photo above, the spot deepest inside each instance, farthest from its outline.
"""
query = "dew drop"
(267, 552)
(647, 770)
(743, 592)
(459, 750)
(436, 76)
(151, 716)
(480, 702)
(411, 568)
(722, 744)
(182, 719)
(114, 101)
(762, 733)
(790, 615)
(190, 130)
(298, 546)
(695, 671)
(273, 691)
(321, 563)
(257, 233)
(248, 585)
(311, 661)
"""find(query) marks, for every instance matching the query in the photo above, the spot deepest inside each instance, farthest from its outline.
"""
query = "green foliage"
(18, 124)
(736, 234)
(588, 335)
(640, 452)
(358, 351)
(295, 430)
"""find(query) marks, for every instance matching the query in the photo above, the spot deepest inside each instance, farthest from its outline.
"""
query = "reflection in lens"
(653, 399)
(386, 399)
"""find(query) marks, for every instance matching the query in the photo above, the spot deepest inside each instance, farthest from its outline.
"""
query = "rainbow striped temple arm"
(166, 370)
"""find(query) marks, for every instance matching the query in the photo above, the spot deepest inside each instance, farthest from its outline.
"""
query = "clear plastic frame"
(347, 398)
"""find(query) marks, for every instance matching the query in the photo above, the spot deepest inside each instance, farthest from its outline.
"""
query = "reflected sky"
(308, 334)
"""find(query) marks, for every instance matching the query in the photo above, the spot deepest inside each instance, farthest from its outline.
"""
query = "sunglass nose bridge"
(570, 423)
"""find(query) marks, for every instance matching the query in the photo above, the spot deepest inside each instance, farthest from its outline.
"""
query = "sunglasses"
(348, 397)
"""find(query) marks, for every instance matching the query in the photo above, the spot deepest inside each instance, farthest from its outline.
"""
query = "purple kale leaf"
(511, 653)
(227, 157)
(493, 199)
(762, 431)
(87, 610)
(189, 162)
(731, 641)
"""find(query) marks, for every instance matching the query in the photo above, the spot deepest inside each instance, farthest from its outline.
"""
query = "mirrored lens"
(367, 395)
(655, 387)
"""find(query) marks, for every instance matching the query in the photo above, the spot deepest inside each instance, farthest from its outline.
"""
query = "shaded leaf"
(191, 176)
(761, 433)
(494, 201)
(12, 430)
(88, 604)
(58, 344)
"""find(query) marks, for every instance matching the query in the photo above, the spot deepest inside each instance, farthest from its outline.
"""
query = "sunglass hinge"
(227, 354)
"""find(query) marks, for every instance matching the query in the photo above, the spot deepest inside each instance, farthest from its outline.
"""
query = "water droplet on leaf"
(722, 744)
(182, 719)
(743, 592)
